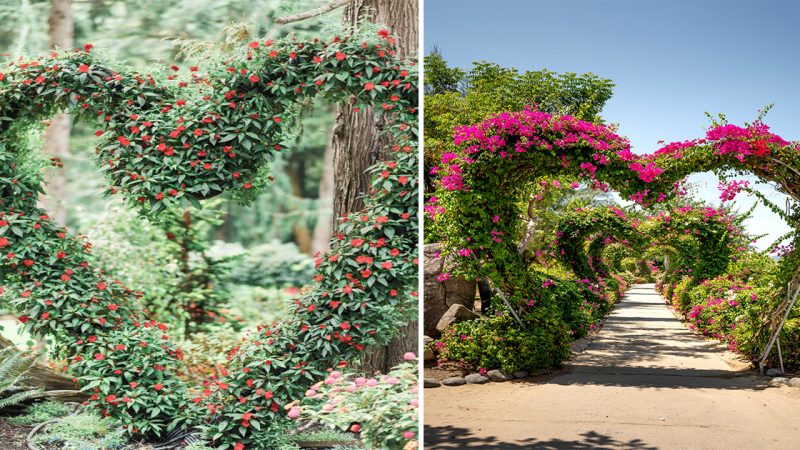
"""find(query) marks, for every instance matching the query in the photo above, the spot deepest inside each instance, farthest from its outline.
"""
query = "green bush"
(83, 432)
(383, 408)
(499, 342)
(273, 265)
(42, 412)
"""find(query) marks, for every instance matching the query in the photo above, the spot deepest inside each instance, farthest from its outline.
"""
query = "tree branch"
(334, 4)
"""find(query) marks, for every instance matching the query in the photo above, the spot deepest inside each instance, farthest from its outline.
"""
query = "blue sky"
(671, 61)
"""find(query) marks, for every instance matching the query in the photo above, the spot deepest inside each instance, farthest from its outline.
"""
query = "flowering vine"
(175, 141)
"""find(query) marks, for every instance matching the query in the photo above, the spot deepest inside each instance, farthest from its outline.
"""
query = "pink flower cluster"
(729, 190)
(743, 141)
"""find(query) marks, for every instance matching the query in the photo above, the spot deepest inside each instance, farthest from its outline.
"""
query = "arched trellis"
(701, 239)
(475, 209)
(168, 143)
(601, 226)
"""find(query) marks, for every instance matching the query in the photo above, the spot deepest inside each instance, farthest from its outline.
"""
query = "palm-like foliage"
(14, 365)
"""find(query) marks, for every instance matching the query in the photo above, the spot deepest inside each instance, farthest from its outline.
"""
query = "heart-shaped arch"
(175, 142)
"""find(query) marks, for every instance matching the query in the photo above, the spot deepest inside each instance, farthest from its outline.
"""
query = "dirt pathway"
(646, 382)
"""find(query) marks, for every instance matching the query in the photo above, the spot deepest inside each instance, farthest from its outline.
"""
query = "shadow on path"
(450, 437)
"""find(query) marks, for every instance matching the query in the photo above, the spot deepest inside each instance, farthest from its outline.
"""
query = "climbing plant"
(478, 210)
(475, 209)
(170, 141)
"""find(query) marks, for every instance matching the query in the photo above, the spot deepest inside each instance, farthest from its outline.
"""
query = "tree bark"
(356, 145)
(322, 230)
(56, 137)
(295, 169)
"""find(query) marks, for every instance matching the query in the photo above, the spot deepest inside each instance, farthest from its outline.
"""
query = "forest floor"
(12, 437)
(645, 382)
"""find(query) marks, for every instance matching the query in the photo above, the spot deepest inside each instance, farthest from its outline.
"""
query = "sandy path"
(646, 382)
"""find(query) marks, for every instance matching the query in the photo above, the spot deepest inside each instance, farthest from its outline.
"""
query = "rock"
(454, 381)
(774, 372)
(795, 382)
(779, 381)
(428, 355)
(456, 314)
(520, 374)
(440, 296)
(496, 375)
(476, 378)
(431, 383)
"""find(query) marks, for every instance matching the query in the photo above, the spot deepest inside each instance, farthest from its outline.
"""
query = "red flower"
(99, 357)
(158, 387)
(273, 53)
(387, 265)
(254, 44)
(369, 86)
(61, 255)
(238, 446)
(3, 242)
(101, 286)
(28, 262)
(355, 428)
(254, 78)
(356, 242)
(24, 319)
(113, 306)
(123, 141)
(347, 289)
(83, 68)
(45, 316)
(111, 398)
(340, 56)
(402, 180)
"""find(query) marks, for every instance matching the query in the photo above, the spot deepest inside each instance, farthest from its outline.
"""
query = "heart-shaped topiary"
(172, 141)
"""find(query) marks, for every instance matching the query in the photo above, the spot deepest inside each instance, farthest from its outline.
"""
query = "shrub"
(81, 432)
(499, 343)
(383, 408)
(42, 412)
(273, 265)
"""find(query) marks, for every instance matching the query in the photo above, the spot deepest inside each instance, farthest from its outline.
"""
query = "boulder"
(795, 382)
(497, 375)
(520, 374)
(779, 381)
(428, 355)
(454, 381)
(440, 296)
(456, 314)
(774, 372)
(476, 378)
(431, 383)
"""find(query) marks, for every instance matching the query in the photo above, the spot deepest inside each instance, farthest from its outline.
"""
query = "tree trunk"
(56, 137)
(295, 169)
(322, 230)
(43, 376)
(356, 146)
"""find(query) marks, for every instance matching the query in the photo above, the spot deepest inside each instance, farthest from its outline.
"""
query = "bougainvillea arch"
(475, 211)
(174, 141)
(600, 226)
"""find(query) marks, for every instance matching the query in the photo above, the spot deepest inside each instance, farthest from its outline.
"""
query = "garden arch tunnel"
(475, 210)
